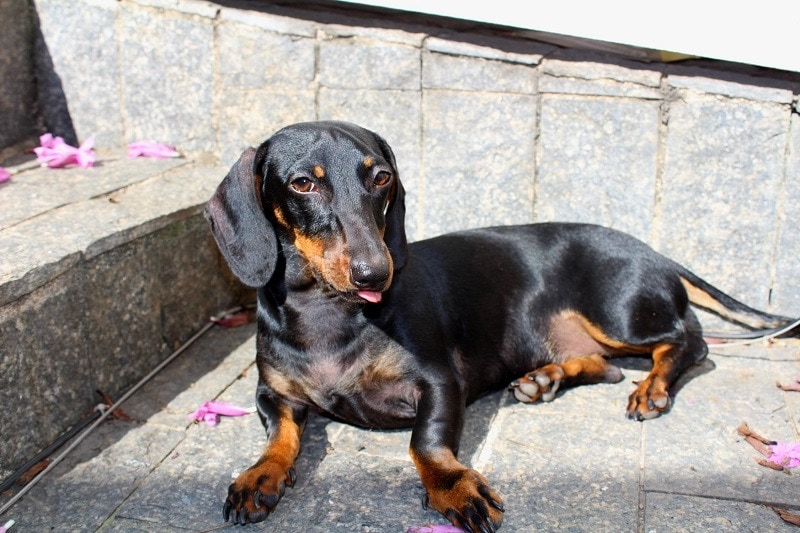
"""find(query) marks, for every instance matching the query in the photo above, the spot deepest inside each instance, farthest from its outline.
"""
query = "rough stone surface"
(442, 71)
(491, 181)
(722, 173)
(366, 63)
(265, 82)
(88, 67)
(18, 90)
(573, 464)
(786, 296)
(167, 90)
(100, 289)
(597, 162)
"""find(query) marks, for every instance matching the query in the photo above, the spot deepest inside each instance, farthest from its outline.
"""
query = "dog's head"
(328, 191)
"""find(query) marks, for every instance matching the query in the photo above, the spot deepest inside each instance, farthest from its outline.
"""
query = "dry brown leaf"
(786, 516)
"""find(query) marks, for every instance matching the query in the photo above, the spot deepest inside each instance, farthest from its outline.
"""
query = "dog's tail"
(707, 297)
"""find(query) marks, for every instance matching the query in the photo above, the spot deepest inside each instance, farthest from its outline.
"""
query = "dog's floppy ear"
(243, 234)
(395, 235)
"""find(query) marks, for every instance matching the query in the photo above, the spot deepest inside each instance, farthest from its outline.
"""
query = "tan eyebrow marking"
(319, 172)
(368, 161)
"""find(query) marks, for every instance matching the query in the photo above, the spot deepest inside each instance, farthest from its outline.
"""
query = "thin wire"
(111, 409)
(772, 335)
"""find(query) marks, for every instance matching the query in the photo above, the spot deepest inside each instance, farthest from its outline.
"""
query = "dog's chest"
(370, 388)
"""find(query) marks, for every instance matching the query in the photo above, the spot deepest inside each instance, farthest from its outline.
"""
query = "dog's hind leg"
(670, 360)
(543, 383)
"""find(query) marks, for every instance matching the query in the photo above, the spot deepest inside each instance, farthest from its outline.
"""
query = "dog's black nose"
(369, 274)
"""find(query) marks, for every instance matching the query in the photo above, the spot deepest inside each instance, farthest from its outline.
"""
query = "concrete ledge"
(99, 283)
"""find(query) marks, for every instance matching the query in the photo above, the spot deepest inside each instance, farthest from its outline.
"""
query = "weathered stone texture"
(721, 181)
(786, 288)
(265, 82)
(597, 162)
(17, 90)
(167, 89)
(478, 155)
(82, 41)
(366, 63)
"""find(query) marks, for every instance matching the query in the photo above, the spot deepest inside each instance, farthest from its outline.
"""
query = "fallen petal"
(151, 149)
(210, 411)
(792, 386)
(227, 409)
(786, 454)
(55, 153)
(5, 175)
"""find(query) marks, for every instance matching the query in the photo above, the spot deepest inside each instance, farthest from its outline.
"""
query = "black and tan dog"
(356, 323)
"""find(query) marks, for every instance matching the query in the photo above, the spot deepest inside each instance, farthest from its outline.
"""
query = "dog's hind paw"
(541, 384)
(649, 400)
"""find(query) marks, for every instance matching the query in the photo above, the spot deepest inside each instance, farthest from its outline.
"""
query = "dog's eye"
(303, 185)
(382, 178)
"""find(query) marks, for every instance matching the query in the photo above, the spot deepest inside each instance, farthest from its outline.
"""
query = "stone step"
(103, 271)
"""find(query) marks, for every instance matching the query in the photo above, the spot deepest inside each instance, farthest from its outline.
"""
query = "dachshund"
(355, 322)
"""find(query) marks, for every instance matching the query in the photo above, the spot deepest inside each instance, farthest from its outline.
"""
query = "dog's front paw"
(467, 500)
(256, 492)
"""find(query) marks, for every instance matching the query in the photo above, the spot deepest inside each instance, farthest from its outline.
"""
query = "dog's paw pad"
(541, 384)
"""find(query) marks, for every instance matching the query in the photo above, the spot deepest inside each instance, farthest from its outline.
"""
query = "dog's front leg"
(255, 493)
(461, 494)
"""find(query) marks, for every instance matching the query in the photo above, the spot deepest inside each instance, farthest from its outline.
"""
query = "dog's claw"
(226, 511)
(426, 500)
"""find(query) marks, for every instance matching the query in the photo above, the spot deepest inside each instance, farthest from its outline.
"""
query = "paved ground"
(575, 464)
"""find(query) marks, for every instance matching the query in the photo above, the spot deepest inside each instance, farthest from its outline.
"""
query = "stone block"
(739, 86)
(168, 79)
(705, 514)
(32, 193)
(45, 373)
(559, 473)
(599, 79)
(96, 485)
(478, 155)
(488, 47)
(18, 90)
(597, 162)
(253, 58)
(265, 82)
(785, 297)
(443, 71)
(722, 169)
(715, 462)
(367, 63)
(87, 66)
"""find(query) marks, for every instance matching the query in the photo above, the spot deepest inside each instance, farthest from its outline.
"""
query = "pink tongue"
(370, 296)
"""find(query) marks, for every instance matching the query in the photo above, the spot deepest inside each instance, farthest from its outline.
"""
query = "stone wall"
(488, 129)
(17, 86)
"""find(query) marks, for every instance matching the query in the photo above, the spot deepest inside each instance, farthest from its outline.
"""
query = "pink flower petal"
(210, 411)
(786, 454)
(151, 149)
(435, 529)
(55, 153)
(5, 175)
